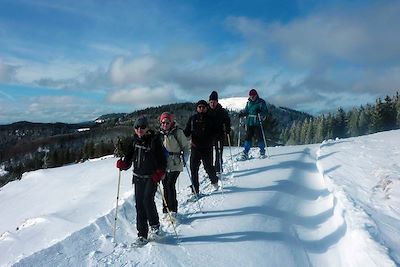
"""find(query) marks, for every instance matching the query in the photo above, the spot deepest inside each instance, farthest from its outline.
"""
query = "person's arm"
(188, 129)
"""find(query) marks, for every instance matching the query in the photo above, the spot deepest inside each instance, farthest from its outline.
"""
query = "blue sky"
(72, 61)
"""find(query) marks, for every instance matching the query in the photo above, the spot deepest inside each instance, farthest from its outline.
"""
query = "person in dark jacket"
(146, 155)
(200, 128)
(255, 109)
(222, 126)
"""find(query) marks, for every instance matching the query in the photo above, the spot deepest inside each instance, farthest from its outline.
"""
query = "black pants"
(197, 156)
(170, 191)
(219, 148)
(146, 210)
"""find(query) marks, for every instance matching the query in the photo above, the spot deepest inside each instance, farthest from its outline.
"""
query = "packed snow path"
(280, 211)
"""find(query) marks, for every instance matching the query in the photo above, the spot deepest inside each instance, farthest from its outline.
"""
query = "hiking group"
(160, 156)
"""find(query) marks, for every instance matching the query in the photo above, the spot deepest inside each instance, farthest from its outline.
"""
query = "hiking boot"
(140, 241)
(215, 186)
(262, 156)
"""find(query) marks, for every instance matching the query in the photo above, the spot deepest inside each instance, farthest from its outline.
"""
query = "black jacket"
(146, 154)
(222, 121)
(202, 129)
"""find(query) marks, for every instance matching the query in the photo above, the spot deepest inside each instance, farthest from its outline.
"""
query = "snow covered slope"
(334, 204)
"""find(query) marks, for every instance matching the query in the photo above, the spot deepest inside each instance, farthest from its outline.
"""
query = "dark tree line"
(384, 115)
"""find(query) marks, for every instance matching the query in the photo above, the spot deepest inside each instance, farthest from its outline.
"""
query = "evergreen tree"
(397, 106)
(377, 116)
(303, 131)
(310, 132)
(365, 120)
(330, 125)
(389, 114)
(320, 129)
(291, 139)
(295, 130)
(339, 127)
(88, 150)
(353, 123)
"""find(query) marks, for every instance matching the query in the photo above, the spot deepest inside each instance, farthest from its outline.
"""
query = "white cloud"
(55, 109)
(141, 97)
(137, 70)
(366, 35)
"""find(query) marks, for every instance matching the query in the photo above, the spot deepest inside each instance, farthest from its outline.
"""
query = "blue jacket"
(252, 109)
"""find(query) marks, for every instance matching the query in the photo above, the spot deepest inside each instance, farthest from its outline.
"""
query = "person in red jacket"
(145, 153)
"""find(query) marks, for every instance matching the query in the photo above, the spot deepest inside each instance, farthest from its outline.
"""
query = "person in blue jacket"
(255, 109)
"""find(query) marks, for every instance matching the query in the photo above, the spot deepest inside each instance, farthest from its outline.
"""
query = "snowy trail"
(281, 211)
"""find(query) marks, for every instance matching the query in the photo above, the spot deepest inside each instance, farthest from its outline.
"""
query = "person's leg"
(260, 140)
(206, 157)
(141, 217)
(149, 203)
(172, 200)
(195, 158)
(218, 156)
(249, 139)
(217, 162)
(165, 190)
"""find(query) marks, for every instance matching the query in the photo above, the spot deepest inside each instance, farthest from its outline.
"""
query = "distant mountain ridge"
(26, 146)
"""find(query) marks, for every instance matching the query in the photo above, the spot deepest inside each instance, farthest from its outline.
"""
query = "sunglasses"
(201, 106)
(141, 127)
(166, 122)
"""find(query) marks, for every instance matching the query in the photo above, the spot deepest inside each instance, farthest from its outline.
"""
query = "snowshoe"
(156, 233)
(140, 242)
(243, 157)
(194, 197)
(214, 187)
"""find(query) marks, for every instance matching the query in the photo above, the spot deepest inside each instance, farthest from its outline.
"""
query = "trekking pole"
(178, 186)
(116, 206)
(240, 122)
(220, 164)
(168, 211)
(230, 147)
(262, 130)
(117, 151)
(193, 189)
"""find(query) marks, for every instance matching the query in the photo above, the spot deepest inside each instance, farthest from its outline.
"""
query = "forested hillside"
(384, 115)
(27, 146)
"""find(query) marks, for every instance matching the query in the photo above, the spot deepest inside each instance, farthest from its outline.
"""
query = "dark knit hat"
(202, 102)
(253, 92)
(141, 121)
(213, 96)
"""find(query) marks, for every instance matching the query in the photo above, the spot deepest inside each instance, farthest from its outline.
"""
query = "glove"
(122, 165)
(157, 176)
(185, 158)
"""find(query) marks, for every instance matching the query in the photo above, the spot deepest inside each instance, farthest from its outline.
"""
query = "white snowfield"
(333, 204)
